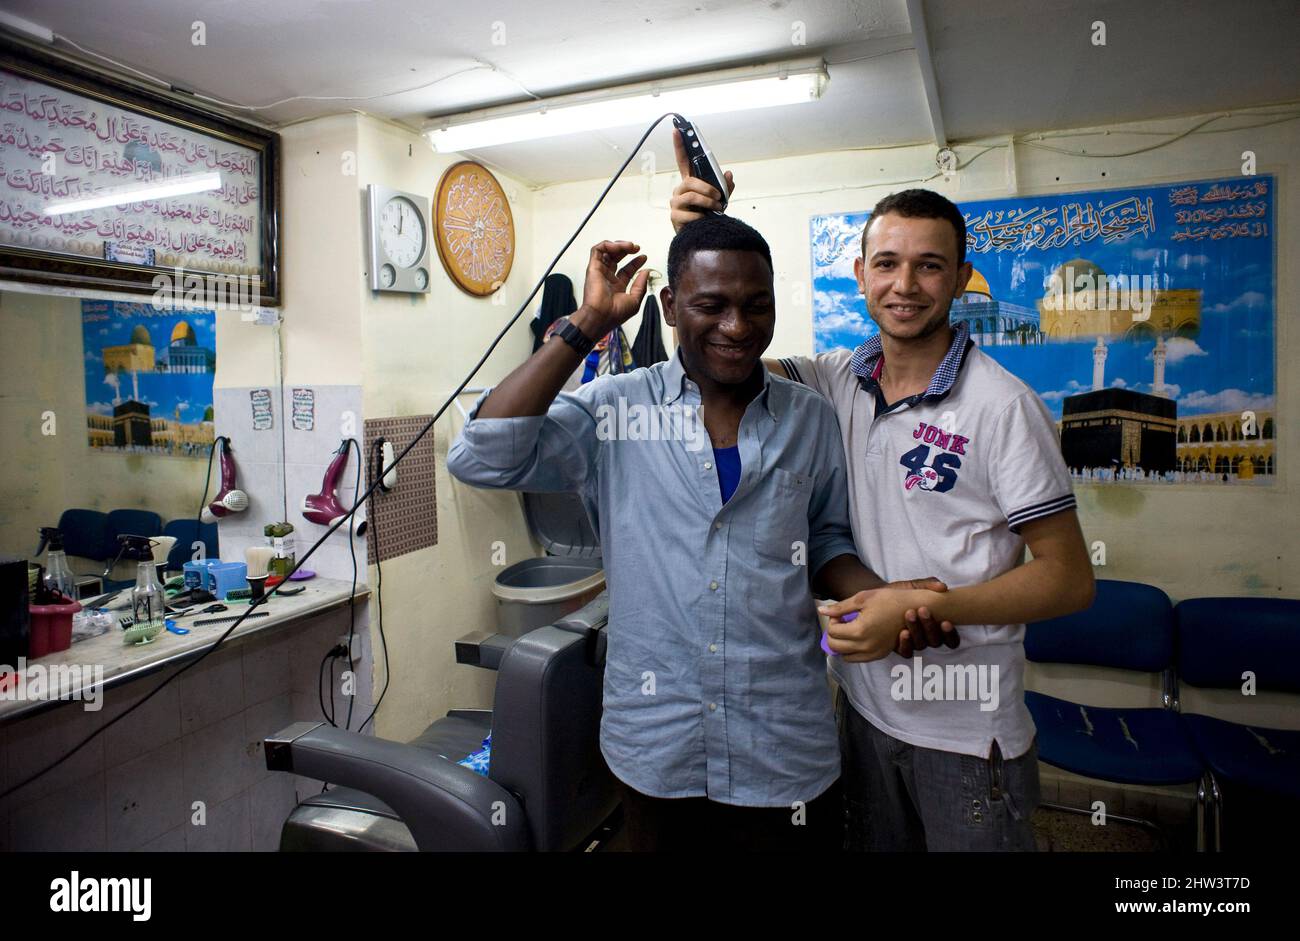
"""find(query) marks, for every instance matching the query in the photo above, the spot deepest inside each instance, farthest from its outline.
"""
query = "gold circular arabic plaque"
(474, 228)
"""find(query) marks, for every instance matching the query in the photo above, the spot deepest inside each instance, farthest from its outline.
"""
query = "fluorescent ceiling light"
(123, 195)
(714, 93)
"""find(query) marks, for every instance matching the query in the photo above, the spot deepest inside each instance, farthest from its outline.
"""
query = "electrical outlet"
(355, 656)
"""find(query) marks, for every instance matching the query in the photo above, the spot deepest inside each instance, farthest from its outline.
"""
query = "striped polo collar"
(868, 358)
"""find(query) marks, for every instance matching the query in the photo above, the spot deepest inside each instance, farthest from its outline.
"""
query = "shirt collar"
(867, 359)
(676, 383)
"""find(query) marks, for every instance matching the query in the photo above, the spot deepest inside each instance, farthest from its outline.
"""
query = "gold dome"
(183, 334)
(978, 284)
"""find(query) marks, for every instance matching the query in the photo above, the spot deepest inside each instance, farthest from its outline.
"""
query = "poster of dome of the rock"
(149, 374)
(1144, 317)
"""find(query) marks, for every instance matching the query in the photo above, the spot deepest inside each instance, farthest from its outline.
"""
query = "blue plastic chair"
(85, 536)
(186, 533)
(1219, 640)
(1130, 626)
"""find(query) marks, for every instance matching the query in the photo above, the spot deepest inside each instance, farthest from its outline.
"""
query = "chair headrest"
(1219, 639)
(1129, 626)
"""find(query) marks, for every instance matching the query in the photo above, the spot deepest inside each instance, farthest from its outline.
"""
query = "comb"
(234, 617)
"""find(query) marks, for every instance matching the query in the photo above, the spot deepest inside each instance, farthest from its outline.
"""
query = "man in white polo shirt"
(954, 468)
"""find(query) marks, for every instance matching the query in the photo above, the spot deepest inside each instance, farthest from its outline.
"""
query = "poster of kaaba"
(1144, 317)
(149, 374)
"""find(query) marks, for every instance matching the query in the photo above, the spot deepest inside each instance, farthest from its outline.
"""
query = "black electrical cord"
(379, 591)
(320, 691)
(207, 482)
(352, 598)
(346, 518)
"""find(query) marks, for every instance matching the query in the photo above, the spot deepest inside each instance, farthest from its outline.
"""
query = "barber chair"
(547, 787)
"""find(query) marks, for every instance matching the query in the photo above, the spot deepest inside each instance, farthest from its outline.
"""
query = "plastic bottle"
(148, 602)
(58, 577)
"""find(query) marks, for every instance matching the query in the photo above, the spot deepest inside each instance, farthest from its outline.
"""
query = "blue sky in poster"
(1228, 366)
(110, 323)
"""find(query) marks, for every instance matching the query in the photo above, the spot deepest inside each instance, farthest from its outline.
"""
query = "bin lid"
(559, 522)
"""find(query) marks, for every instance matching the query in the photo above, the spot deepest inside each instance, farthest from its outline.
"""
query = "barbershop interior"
(261, 265)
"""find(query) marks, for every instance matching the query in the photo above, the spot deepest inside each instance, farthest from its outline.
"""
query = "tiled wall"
(200, 739)
(306, 455)
(407, 518)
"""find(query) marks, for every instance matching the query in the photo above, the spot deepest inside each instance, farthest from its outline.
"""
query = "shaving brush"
(258, 559)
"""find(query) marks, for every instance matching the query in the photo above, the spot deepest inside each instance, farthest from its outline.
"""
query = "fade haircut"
(920, 204)
(713, 233)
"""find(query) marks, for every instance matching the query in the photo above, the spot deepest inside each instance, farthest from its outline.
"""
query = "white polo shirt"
(939, 485)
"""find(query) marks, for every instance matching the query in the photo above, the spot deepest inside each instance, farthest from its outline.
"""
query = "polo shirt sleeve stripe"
(1020, 517)
(791, 370)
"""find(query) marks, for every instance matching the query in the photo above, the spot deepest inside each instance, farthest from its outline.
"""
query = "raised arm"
(607, 302)
(693, 197)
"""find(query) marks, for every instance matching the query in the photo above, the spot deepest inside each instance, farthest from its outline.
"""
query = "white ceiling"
(1002, 66)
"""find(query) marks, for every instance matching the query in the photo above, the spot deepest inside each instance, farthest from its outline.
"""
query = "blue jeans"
(904, 798)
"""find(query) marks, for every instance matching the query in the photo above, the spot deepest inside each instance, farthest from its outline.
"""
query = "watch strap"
(568, 331)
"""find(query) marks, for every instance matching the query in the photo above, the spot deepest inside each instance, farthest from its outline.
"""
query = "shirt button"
(718, 524)
(713, 648)
(708, 465)
(713, 586)
(713, 707)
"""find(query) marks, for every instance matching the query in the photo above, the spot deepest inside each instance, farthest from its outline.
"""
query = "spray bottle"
(148, 602)
(58, 577)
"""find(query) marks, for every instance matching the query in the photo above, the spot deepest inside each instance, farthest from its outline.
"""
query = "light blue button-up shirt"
(715, 685)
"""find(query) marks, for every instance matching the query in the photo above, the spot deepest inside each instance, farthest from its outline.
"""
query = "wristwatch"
(568, 331)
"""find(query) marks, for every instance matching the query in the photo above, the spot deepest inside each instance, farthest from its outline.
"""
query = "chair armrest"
(446, 806)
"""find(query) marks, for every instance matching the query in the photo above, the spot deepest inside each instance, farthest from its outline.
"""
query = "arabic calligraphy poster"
(149, 378)
(56, 145)
(1144, 317)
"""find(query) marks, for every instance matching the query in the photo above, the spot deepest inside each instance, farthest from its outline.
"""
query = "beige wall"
(1190, 540)
(407, 352)
(415, 350)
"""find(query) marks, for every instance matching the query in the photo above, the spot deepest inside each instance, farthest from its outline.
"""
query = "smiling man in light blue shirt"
(717, 717)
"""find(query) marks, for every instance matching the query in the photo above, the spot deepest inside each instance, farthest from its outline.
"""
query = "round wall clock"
(473, 228)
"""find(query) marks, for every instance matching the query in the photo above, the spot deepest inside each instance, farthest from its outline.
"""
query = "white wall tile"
(67, 820)
(37, 740)
(146, 728)
(214, 762)
(212, 690)
(270, 802)
(260, 720)
(173, 841)
(226, 829)
(145, 798)
(266, 668)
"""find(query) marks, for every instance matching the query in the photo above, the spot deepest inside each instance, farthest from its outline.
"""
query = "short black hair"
(713, 233)
(921, 204)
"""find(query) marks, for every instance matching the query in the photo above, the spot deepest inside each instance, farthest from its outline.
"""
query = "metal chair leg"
(1218, 813)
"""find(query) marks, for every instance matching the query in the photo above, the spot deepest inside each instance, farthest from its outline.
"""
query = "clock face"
(401, 232)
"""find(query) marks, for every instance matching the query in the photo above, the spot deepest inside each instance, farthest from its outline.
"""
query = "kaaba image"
(1113, 426)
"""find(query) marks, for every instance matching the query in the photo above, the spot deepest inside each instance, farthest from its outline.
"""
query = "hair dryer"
(324, 507)
(229, 500)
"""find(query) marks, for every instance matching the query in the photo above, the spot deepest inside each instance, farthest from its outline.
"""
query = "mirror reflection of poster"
(1144, 317)
(149, 378)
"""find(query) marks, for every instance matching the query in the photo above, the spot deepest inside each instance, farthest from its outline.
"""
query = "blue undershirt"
(728, 461)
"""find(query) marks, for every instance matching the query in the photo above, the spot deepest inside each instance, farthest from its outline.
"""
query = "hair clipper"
(704, 166)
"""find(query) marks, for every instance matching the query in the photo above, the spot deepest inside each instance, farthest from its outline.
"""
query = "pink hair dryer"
(324, 507)
(229, 499)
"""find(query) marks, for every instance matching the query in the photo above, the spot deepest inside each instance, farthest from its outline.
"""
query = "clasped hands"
(896, 618)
